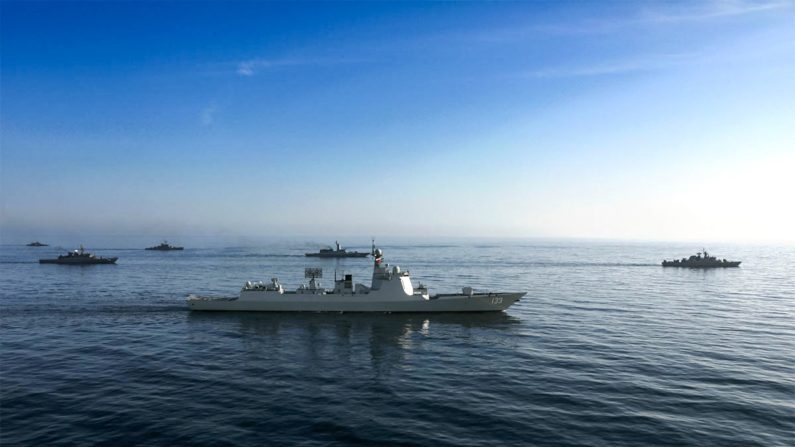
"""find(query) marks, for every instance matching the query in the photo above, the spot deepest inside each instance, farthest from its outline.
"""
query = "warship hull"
(353, 254)
(297, 302)
(701, 265)
(67, 261)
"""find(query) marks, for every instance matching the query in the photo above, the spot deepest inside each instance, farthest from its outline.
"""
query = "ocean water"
(607, 349)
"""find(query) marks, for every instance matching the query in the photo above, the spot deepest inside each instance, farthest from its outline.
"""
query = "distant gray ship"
(37, 244)
(339, 252)
(165, 246)
(79, 257)
(701, 262)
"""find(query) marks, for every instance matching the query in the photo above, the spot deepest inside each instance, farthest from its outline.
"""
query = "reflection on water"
(314, 337)
(378, 325)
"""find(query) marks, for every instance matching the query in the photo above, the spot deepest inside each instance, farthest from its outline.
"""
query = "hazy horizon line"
(349, 241)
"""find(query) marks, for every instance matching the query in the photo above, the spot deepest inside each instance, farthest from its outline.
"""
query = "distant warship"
(79, 257)
(165, 246)
(37, 244)
(339, 252)
(701, 262)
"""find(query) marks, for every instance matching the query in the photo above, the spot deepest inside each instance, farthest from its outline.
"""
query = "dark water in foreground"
(607, 349)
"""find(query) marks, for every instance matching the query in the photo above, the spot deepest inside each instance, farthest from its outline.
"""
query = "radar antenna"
(313, 273)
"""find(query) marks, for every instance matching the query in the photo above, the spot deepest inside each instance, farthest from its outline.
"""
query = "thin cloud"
(713, 10)
(251, 67)
(207, 115)
(648, 63)
(642, 18)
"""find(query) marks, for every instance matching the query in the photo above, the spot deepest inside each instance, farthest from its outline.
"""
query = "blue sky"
(625, 120)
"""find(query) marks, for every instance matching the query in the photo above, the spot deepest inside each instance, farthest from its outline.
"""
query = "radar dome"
(378, 252)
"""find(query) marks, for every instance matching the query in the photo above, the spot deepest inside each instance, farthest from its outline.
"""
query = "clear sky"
(625, 120)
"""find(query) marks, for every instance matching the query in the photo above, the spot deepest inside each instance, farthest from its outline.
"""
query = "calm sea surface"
(607, 349)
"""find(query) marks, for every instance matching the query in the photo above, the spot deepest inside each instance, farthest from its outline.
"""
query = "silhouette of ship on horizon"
(165, 246)
(701, 262)
(79, 257)
(339, 252)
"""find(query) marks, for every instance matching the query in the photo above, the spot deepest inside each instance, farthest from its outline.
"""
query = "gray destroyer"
(339, 252)
(79, 257)
(391, 290)
(701, 262)
(165, 246)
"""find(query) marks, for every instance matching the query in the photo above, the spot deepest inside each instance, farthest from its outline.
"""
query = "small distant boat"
(79, 257)
(698, 261)
(37, 244)
(165, 246)
(339, 252)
